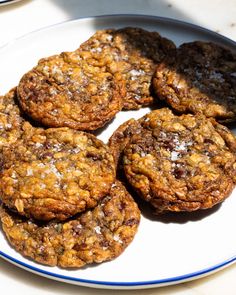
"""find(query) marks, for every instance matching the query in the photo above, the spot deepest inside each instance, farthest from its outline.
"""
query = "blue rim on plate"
(153, 283)
(129, 284)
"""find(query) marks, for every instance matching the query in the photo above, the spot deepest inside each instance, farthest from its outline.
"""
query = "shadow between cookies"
(170, 217)
(175, 217)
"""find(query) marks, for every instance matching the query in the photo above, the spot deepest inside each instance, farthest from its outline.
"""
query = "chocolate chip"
(179, 172)
(94, 156)
(131, 221)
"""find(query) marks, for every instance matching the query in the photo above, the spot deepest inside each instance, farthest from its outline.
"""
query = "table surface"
(21, 17)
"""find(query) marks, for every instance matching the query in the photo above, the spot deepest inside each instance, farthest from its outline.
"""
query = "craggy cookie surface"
(132, 52)
(11, 121)
(181, 163)
(66, 91)
(121, 137)
(202, 79)
(55, 173)
(93, 237)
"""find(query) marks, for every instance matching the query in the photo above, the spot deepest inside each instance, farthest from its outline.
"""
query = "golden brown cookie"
(181, 163)
(132, 52)
(66, 91)
(202, 79)
(11, 121)
(55, 173)
(95, 236)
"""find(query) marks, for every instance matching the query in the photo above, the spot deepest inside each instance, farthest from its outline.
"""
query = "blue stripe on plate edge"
(139, 283)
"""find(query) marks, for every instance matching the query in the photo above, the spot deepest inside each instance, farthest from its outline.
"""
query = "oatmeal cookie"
(202, 79)
(132, 52)
(11, 121)
(181, 163)
(66, 91)
(55, 173)
(95, 236)
(120, 138)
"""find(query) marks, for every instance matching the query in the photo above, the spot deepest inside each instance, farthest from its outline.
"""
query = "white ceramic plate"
(166, 250)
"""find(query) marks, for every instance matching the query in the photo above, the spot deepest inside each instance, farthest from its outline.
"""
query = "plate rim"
(116, 15)
(94, 283)
(120, 284)
(6, 2)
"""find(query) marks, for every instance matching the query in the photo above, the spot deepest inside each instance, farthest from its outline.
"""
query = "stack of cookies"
(62, 202)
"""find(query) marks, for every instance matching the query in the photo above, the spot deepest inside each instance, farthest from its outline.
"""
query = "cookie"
(95, 236)
(202, 79)
(66, 91)
(55, 173)
(181, 163)
(120, 138)
(132, 52)
(11, 121)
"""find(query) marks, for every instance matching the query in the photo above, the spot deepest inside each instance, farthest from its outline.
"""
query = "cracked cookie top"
(181, 163)
(55, 173)
(66, 91)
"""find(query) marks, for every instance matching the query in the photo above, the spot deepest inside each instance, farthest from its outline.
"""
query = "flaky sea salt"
(136, 72)
(13, 175)
(41, 165)
(52, 91)
(8, 125)
(117, 239)
(97, 230)
(174, 156)
(142, 154)
(109, 37)
(29, 172)
(98, 49)
(38, 145)
(53, 169)
(56, 70)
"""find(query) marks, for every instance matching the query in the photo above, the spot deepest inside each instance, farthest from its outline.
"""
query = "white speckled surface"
(29, 15)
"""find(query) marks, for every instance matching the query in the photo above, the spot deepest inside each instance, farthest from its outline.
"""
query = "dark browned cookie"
(134, 54)
(66, 91)
(181, 163)
(95, 236)
(201, 80)
(121, 137)
(55, 173)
